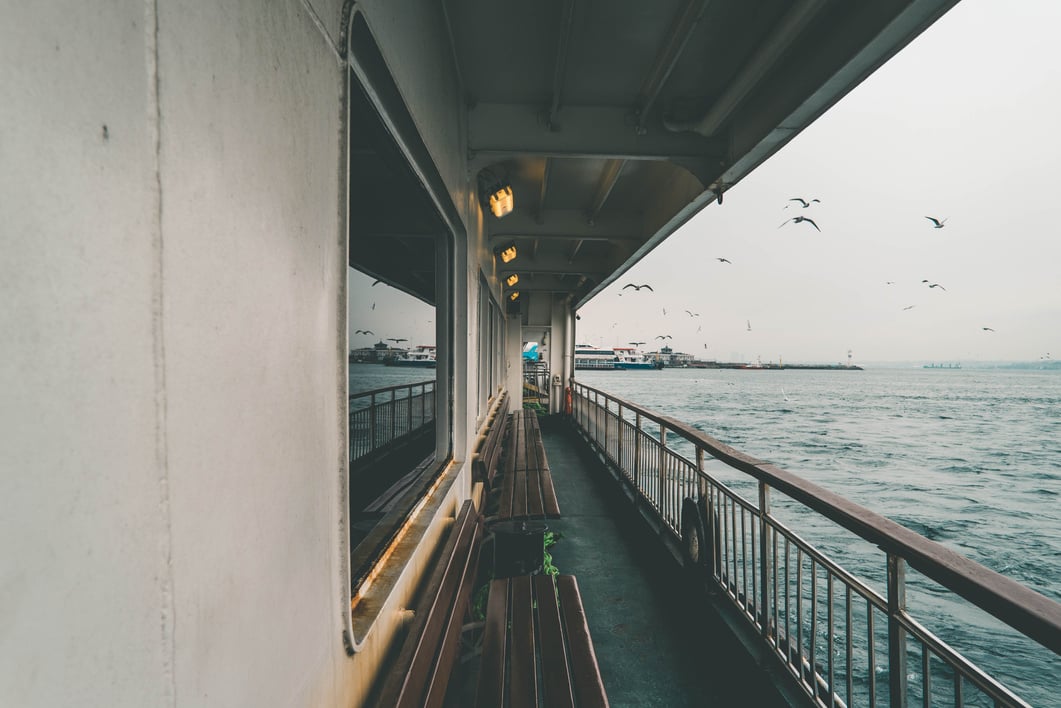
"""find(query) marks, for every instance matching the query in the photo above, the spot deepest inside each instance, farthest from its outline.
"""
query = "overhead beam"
(686, 20)
(500, 131)
(569, 224)
(785, 33)
(539, 214)
(609, 177)
(567, 19)
(575, 250)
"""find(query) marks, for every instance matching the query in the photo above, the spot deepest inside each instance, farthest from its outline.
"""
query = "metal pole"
(896, 633)
(662, 458)
(394, 413)
(637, 451)
(372, 422)
(765, 559)
(409, 405)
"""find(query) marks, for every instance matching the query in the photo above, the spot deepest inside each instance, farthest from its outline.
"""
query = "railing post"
(409, 405)
(765, 560)
(619, 451)
(607, 452)
(896, 633)
(394, 412)
(662, 460)
(372, 422)
(637, 451)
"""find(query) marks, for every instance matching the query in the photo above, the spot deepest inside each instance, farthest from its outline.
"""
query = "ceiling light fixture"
(496, 193)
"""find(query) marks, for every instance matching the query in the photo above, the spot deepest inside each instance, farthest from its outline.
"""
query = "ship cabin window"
(491, 347)
(399, 305)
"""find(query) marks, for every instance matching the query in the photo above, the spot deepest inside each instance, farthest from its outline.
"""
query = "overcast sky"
(964, 124)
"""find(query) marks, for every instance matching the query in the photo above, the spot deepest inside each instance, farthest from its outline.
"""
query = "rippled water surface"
(969, 458)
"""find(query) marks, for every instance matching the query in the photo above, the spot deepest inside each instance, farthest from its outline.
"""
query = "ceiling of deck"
(617, 121)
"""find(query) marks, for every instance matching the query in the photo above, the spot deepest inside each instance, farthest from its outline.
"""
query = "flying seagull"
(799, 219)
(749, 325)
(804, 202)
(636, 344)
(909, 307)
(693, 314)
(987, 329)
(938, 224)
(664, 336)
(364, 331)
(935, 285)
(638, 287)
(724, 260)
(396, 341)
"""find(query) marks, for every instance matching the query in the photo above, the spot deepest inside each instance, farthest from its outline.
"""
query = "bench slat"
(504, 504)
(534, 492)
(439, 678)
(589, 687)
(492, 667)
(556, 678)
(552, 505)
(406, 683)
(523, 677)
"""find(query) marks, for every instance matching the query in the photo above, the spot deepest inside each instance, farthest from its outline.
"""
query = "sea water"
(968, 458)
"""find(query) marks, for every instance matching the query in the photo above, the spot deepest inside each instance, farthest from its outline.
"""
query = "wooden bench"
(488, 450)
(555, 662)
(527, 487)
(420, 674)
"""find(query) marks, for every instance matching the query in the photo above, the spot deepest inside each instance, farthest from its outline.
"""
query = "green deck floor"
(657, 645)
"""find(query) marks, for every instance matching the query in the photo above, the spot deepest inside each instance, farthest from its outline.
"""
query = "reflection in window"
(392, 364)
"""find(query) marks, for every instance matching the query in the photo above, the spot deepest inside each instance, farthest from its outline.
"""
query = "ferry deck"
(186, 187)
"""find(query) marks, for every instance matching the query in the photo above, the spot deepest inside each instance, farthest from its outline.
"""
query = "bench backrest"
(420, 674)
(487, 454)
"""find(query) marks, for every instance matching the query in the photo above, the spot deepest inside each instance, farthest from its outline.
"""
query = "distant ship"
(942, 366)
(588, 357)
(423, 356)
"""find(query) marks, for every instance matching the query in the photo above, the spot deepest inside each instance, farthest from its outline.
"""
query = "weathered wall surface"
(252, 265)
(84, 614)
(171, 372)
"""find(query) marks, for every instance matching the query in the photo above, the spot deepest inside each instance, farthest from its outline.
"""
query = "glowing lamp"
(514, 295)
(511, 280)
(501, 201)
(507, 253)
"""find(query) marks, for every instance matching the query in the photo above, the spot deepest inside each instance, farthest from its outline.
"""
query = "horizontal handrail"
(383, 416)
(388, 389)
(1033, 614)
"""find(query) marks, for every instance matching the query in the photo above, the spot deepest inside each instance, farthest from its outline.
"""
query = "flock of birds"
(801, 203)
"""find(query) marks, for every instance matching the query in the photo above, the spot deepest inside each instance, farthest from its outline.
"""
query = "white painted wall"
(85, 592)
(253, 266)
(170, 290)
(172, 299)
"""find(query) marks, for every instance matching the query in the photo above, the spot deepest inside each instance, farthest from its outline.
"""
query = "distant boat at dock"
(942, 366)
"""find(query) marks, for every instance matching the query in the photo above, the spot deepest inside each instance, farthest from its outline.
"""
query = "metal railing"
(842, 641)
(380, 417)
